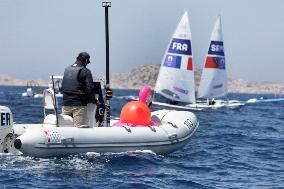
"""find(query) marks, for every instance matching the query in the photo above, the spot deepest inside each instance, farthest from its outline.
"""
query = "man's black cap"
(83, 56)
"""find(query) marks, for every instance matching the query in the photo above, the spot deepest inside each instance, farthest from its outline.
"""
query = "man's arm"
(90, 86)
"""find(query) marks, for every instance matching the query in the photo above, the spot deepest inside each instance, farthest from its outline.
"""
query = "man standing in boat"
(78, 90)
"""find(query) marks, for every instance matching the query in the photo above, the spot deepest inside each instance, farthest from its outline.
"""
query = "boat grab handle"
(127, 128)
(172, 136)
(152, 128)
(67, 140)
(175, 126)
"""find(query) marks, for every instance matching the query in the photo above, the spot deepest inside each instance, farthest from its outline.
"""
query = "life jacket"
(71, 83)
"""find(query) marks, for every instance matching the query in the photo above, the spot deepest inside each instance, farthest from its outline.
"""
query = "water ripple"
(240, 148)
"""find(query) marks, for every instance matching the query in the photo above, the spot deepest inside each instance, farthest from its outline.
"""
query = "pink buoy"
(145, 95)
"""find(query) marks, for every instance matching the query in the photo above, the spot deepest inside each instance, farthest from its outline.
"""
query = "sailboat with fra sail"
(176, 76)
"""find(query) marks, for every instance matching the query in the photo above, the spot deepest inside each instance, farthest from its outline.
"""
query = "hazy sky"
(41, 37)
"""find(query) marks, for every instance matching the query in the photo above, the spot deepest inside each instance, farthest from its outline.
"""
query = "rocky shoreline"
(9, 81)
(147, 74)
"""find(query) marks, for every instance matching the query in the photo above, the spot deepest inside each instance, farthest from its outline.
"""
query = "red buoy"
(136, 113)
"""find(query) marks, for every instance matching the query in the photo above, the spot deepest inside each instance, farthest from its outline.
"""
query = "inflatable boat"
(172, 131)
(162, 131)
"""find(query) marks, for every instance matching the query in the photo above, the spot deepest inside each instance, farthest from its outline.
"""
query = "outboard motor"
(6, 130)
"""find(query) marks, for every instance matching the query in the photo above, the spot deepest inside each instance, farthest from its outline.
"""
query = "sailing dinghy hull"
(262, 100)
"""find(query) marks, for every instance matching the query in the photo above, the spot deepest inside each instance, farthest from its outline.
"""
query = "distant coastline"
(6, 80)
(147, 74)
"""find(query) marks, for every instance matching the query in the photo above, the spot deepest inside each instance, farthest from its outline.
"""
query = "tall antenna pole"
(55, 101)
(108, 91)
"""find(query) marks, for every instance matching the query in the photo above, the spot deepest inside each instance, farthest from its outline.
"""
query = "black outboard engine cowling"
(6, 129)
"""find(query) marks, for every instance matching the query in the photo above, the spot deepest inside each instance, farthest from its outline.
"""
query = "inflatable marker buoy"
(136, 113)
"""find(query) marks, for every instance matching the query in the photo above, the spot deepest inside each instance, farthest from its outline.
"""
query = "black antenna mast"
(108, 91)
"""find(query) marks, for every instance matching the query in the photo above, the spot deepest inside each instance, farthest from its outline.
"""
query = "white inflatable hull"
(44, 140)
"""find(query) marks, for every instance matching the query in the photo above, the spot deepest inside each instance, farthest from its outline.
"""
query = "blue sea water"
(232, 148)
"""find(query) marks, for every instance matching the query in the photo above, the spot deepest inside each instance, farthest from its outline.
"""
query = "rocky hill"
(9, 81)
(147, 74)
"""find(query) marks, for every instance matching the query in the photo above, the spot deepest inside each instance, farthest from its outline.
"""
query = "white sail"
(176, 76)
(213, 82)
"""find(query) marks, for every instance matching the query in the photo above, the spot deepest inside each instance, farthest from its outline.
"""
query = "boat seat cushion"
(63, 120)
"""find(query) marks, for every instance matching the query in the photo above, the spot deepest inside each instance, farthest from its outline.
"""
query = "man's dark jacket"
(77, 85)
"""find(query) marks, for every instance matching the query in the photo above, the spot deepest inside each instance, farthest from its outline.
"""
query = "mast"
(108, 91)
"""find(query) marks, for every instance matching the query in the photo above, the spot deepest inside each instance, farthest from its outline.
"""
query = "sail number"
(5, 118)
(179, 46)
(217, 48)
